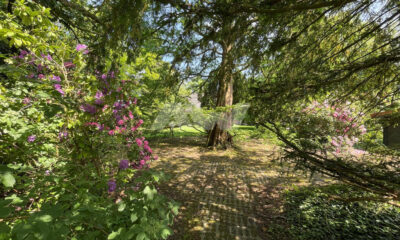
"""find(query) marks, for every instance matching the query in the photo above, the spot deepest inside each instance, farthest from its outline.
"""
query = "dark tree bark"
(219, 135)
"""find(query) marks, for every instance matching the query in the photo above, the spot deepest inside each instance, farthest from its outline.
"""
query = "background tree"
(349, 56)
(217, 40)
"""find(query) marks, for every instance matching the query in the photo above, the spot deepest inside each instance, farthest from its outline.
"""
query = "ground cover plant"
(331, 212)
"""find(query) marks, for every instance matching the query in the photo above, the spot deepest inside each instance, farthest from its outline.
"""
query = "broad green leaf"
(141, 236)
(5, 211)
(45, 218)
(165, 233)
(121, 206)
(7, 179)
(113, 235)
(134, 217)
(4, 230)
(149, 192)
(15, 199)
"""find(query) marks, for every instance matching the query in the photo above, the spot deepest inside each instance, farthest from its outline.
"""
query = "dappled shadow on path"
(223, 194)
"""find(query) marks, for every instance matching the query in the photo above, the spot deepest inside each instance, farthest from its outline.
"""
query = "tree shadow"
(223, 195)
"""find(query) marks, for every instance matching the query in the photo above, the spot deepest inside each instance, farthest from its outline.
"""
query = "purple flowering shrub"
(329, 127)
(74, 161)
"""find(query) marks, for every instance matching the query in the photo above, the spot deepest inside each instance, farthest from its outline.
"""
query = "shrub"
(74, 162)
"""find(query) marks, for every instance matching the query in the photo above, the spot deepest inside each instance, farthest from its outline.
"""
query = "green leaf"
(149, 192)
(45, 218)
(165, 233)
(15, 199)
(4, 230)
(121, 206)
(113, 235)
(7, 179)
(141, 236)
(17, 42)
(134, 217)
(5, 211)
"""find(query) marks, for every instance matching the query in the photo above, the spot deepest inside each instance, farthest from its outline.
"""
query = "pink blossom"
(349, 142)
(363, 129)
(26, 101)
(147, 148)
(58, 88)
(155, 157)
(89, 108)
(91, 124)
(81, 47)
(335, 143)
(140, 122)
(130, 115)
(69, 65)
(23, 53)
(31, 138)
(120, 122)
(48, 57)
(139, 142)
(56, 78)
(99, 98)
(111, 132)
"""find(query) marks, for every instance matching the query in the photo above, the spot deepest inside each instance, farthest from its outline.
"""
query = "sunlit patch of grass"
(178, 132)
(239, 133)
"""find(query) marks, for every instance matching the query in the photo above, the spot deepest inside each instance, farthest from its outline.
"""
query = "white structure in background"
(194, 100)
(191, 114)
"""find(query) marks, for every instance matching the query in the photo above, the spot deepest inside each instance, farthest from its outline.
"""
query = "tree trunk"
(219, 134)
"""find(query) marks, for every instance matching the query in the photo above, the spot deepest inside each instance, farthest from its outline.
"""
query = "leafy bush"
(317, 213)
(74, 163)
(329, 127)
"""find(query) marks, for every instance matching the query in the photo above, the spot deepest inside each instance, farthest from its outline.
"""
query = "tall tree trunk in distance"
(219, 134)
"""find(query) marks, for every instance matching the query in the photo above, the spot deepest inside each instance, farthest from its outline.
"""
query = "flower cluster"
(109, 109)
(344, 120)
(112, 116)
(40, 67)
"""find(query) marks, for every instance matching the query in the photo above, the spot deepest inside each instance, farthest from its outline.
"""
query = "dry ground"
(232, 194)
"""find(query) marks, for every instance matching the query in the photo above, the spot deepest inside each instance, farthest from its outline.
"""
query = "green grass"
(240, 132)
(178, 132)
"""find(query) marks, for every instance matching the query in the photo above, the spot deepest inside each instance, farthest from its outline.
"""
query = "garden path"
(232, 194)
